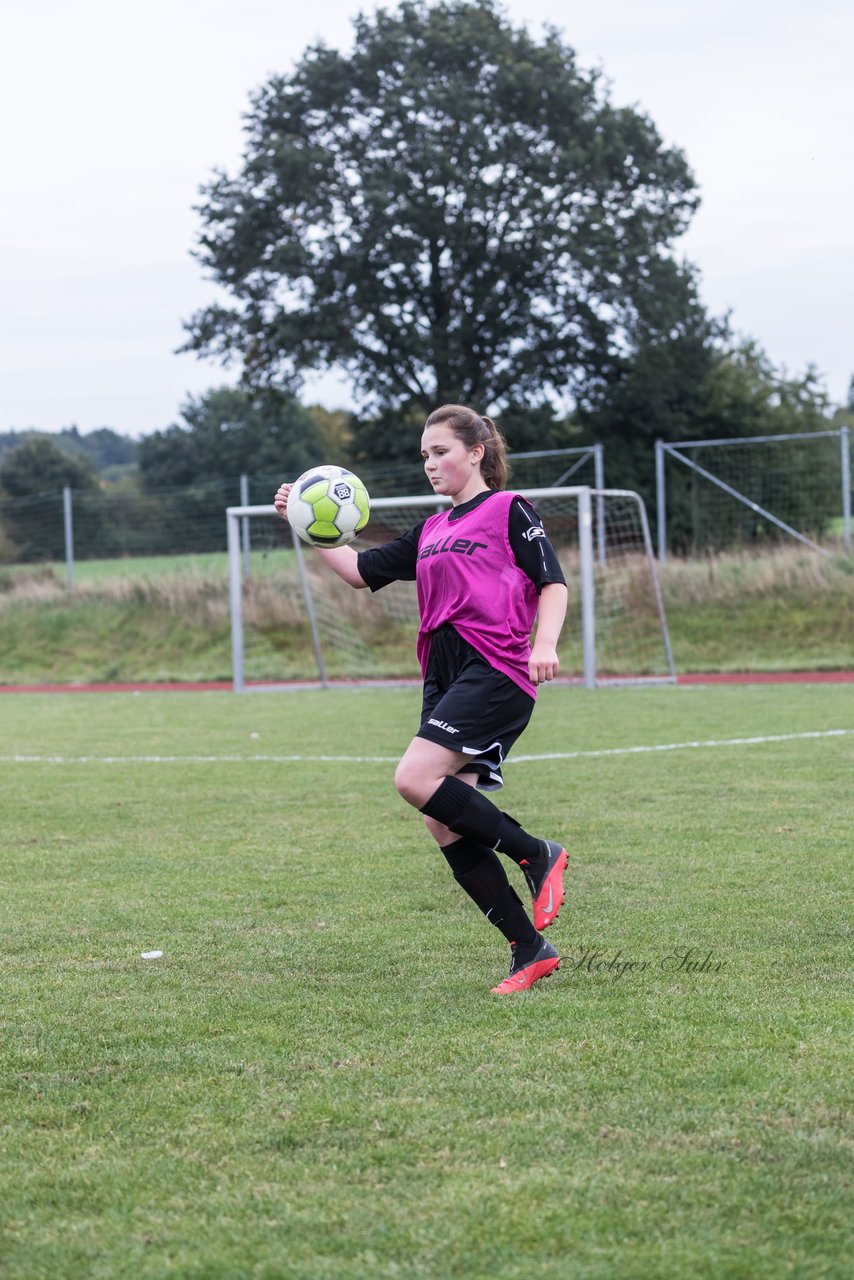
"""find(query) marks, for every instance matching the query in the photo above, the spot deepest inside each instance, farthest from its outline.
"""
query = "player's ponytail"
(495, 468)
(475, 428)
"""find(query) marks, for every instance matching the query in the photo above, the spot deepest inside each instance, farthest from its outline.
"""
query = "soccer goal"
(292, 619)
(755, 491)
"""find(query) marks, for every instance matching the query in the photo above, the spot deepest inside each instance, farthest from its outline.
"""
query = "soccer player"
(484, 570)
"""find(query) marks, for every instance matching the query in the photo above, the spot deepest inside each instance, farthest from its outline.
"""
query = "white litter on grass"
(151, 955)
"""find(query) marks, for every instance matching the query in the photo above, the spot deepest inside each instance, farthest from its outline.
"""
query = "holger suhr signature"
(605, 960)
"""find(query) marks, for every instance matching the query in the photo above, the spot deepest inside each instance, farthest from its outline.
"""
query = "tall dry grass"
(203, 597)
(786, 607)
(784, 573)
(276, 599)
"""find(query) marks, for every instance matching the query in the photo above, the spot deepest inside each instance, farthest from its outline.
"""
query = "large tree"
(454, 210)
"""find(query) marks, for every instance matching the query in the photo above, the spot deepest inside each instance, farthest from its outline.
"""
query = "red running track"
(207, 686)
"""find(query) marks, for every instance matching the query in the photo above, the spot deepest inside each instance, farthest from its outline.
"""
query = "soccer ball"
(328, 506)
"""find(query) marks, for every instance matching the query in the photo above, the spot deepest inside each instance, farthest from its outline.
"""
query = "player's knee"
(410, 784)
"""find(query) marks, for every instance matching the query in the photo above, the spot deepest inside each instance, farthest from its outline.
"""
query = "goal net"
(755, 491)
(292, 619)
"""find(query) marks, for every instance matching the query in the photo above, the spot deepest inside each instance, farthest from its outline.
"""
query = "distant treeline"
(103, 448)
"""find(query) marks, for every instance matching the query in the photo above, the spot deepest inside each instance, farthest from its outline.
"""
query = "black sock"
(469, 813)
(463, 855)
(480, 873)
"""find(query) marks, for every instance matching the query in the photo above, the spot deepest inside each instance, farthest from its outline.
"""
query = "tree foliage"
(700, 383)
(229, 432)
(335, 430)
(454, 211)
(104, 448)
(39, 466)
(704, 385)
(657, 392)
(32, 477)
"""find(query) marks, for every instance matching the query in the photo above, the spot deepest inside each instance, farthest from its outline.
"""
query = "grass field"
(314, 1081)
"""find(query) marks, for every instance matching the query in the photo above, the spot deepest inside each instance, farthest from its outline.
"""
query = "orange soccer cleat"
(545, 880)
(527, 967)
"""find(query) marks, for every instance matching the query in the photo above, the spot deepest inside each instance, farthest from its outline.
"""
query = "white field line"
(341, 759)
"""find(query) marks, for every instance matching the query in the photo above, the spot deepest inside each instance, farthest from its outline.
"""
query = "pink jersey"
(467, 576)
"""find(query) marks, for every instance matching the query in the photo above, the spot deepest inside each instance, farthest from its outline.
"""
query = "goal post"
(294, 620)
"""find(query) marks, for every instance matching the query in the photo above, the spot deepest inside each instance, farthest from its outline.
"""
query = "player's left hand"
(280, 502)
(543, 663)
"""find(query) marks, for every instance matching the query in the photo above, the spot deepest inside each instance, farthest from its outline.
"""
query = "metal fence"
(711, 494)
(111, 523)
(755, 489)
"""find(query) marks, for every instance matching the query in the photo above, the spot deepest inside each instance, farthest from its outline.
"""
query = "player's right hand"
(280, 502)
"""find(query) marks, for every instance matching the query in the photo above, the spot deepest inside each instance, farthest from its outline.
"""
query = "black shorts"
(470, 707)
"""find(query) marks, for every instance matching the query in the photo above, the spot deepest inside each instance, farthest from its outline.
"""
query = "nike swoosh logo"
(550, 902)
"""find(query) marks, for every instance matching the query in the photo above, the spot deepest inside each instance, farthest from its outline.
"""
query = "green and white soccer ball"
(328, 506)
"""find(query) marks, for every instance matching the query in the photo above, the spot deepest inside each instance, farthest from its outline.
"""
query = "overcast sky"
(115, 111)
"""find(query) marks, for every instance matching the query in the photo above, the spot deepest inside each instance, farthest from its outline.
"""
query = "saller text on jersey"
(467, 576)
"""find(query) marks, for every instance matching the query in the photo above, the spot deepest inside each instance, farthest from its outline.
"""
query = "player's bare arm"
(543, 664)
